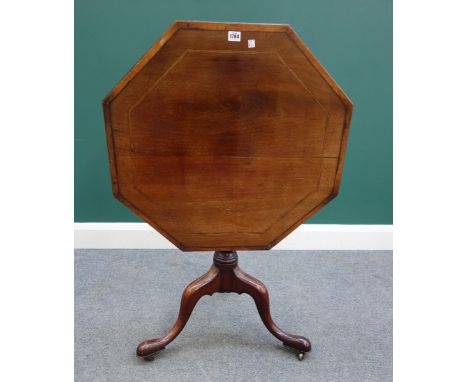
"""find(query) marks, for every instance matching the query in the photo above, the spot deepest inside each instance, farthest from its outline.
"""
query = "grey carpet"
(341, 300)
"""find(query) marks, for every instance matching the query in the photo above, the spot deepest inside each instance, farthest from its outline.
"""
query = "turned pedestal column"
(224, 276)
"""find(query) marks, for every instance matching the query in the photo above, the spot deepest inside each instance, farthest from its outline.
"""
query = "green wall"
(351, 38)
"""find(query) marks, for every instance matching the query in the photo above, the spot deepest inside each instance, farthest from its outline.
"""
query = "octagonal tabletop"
(226, 136)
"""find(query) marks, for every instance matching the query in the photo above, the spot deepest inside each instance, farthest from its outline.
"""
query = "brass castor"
(300, 354)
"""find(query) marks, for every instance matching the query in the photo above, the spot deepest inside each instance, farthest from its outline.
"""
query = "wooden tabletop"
(226, 136)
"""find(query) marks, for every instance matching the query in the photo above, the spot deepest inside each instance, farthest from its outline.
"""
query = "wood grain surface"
(220, 146)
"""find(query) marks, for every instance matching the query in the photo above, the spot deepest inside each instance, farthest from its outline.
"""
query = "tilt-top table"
(226, 137)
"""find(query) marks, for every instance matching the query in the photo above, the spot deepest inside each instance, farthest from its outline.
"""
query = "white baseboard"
(307, 236)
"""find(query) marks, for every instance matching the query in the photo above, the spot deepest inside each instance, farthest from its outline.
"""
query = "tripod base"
(224, 276)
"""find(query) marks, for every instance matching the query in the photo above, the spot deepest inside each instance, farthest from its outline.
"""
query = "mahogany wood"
(224, 276)
(223, 147)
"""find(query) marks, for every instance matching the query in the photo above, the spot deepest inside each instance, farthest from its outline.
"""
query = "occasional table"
(226, 137)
